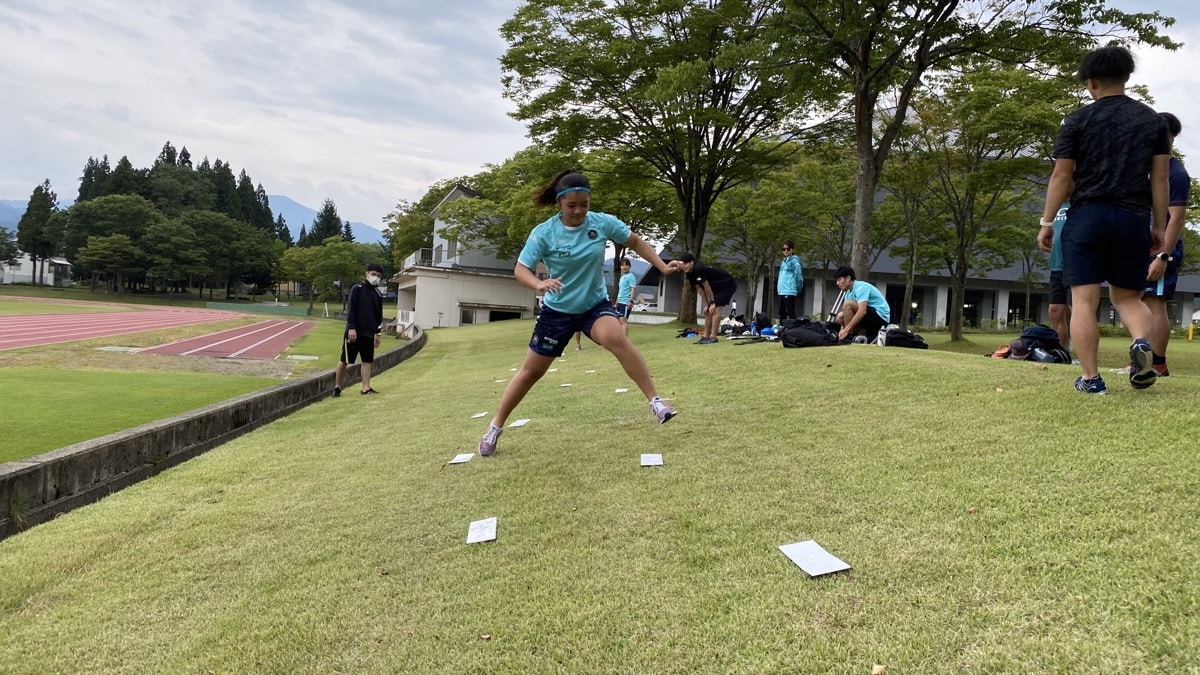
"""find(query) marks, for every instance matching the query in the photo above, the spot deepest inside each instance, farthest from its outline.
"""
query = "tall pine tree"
(282, 233)
(35, 236)
(327, 224)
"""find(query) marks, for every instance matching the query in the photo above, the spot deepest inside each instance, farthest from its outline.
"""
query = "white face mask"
(374, 279)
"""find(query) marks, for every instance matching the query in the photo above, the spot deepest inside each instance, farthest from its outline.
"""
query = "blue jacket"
(791, 276)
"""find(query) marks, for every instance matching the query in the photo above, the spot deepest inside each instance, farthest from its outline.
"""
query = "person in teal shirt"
(571, 244)
(1060, 295)
(864, 311)
(791, 280)
(625, 293)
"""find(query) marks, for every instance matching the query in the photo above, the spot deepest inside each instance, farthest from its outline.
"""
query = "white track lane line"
(231, 339)
(285, 330)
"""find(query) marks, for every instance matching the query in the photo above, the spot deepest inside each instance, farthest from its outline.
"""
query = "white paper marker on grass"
(519, 423)
(460, 459)
(589, 371)
(482, 530)
(501, 381)
(478, 415)
(810, 557)
(552, 370)
(566, 384)
(652, 460)
(620, 391)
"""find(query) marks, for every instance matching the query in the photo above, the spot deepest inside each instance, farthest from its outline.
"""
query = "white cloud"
(365, 105)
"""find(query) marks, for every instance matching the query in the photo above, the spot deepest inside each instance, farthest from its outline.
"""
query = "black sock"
(1160, 360)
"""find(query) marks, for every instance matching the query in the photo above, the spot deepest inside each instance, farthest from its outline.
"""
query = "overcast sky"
(363, 101)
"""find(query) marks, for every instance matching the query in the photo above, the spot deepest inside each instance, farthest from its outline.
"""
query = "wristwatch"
(1165, 257)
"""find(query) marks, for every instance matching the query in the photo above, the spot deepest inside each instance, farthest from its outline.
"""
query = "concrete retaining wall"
(37, 489)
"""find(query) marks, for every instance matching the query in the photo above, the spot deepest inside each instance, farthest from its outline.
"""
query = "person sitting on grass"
(865, 311)
(715, 287)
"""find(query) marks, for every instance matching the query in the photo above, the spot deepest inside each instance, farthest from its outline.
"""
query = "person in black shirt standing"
(364, 321)
(1116, 151)
(715, 287)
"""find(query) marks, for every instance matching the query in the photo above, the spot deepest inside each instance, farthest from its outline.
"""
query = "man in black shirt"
(364, 320)
(1116, 151)
(715, 287)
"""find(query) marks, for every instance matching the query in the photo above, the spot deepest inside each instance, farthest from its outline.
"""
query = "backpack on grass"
(895, 336)
(806, 333)
(1038, 343)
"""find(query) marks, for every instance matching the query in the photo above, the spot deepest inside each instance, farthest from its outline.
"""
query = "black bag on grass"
(899, 337)
(806, 333)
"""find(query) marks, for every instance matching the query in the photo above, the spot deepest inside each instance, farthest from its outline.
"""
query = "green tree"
(35, 236)
(327, 224)
(297, 265)
(129, 215)
(173, 253)
(127, 180)
(115, 255)
(987, 133)
(282, 233)
(8, 249)
(684, 86)
(410, 224)
(347, 232)
(338, 264)
(881, 52)
(94, 180)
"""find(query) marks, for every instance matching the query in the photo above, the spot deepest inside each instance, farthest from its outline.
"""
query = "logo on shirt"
(592, 234)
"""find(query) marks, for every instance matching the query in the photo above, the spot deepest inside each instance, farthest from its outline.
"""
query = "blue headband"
(571, 189)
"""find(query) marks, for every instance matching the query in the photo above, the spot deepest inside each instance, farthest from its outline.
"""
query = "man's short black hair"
(1173, 124)
(375, 267)
(845, 271)
(687, 258)
(1108, 65)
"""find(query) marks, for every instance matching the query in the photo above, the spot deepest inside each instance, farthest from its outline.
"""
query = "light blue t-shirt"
(862, 291)
(791, 276)
(1056, 256)
(576, 256)
(625, 290)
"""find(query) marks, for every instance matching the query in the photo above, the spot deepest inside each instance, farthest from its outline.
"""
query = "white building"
(447, 286)
(24, 271)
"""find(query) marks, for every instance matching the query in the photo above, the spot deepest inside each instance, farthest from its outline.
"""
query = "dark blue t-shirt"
(1112, 142)
(1181, 185)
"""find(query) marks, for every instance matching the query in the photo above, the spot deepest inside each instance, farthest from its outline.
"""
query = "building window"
(468, 317)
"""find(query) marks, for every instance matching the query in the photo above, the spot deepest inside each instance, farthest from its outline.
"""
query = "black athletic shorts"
(364, 346)
(1059, 294)
(723, 297)
(870, 324)
(554, 329)
(1104, 242)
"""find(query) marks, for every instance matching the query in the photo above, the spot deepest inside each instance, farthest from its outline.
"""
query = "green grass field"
(996, 520)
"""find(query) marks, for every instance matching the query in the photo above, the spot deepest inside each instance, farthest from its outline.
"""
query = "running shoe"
(1161, 369)
(705, 341)
(1093, 386)
(1141, 364)
(337, 392)
(487, 444)
(368, 391)
(661, 410)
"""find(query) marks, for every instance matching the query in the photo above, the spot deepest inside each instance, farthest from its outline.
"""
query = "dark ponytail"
(547, 195)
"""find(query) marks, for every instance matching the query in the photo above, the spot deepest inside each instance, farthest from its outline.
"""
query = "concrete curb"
(40, 488)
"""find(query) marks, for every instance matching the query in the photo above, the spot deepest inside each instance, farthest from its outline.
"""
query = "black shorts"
(364, 346)
(723, 297)
(623, 310)
(1164, 288)
(1104, 242)
(870, 324)
(554, 329)
(1059, 294)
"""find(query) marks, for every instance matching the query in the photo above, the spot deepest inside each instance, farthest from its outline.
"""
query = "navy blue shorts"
(1164, 288)
(554, 329)
(1059, 293)
(1104, 242)
(623, 311)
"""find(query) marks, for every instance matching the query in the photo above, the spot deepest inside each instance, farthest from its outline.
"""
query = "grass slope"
(997, 521)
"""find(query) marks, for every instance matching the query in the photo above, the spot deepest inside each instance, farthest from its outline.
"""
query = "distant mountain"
(11, 211)
(297, 215)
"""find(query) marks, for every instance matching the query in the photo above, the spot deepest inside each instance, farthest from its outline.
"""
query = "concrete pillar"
(939, 307)
(1002, 307)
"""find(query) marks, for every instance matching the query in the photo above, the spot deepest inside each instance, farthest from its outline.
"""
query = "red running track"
(263, 340)
(48, 329)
